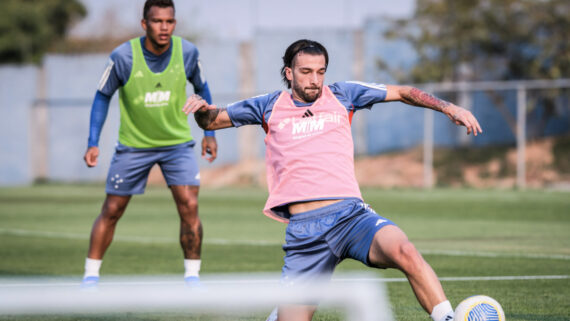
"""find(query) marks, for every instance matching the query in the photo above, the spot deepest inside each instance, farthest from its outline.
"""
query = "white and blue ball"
(479, 308)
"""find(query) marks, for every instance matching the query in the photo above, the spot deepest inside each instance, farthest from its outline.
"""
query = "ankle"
(442, 312)
(92, 267)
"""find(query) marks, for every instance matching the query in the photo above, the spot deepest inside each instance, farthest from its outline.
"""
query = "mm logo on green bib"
(157, 98)
(151, 103)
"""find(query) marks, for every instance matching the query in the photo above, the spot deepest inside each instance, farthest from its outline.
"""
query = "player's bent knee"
(189, 203)
(193, 203)
(112, 211)
(189, 210)
(408, 258)
(187, 207)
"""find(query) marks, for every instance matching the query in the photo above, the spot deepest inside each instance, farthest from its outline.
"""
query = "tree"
(465, 40)
(488, 39)
(28, 28)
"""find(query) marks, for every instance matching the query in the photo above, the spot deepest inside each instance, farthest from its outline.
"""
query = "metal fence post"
(428, 148)
(521, 136)
(39, 145)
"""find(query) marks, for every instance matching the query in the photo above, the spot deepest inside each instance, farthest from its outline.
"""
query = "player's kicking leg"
(186, 198)
(391, 248)
(102, 235)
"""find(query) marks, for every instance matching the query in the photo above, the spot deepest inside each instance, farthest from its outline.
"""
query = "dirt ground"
(405, 170)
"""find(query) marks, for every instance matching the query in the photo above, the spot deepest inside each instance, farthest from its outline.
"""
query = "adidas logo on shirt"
(308, 113)
(310, 123)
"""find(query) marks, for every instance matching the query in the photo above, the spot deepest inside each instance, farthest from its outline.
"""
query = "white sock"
(92, 267)
(192, 268)
(442, 312)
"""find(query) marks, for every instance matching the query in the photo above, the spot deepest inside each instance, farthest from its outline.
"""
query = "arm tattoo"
(206, 118)
(421, 98)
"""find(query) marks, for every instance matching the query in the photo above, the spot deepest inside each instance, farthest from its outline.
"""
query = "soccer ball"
(479, 308)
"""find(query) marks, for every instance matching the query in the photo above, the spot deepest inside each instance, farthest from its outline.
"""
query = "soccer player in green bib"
(150, 73)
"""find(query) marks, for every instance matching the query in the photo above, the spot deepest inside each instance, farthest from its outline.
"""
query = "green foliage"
(28, 28)
(488, 39)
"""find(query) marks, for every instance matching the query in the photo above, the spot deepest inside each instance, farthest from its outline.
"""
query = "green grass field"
(462, 233)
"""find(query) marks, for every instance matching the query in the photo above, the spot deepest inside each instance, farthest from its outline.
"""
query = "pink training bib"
(309, 153)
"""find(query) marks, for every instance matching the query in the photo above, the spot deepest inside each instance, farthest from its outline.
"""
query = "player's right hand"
(195, 103)
(91, 155)
(462, 116)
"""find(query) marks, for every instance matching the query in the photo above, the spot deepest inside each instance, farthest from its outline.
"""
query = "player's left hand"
(195, 103)
(91, 156)
(462, 116)
(209, 147)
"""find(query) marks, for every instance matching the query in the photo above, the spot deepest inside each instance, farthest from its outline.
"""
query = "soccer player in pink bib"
(310, 174)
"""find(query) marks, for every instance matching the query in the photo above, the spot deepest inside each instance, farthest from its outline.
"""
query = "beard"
(308, 94)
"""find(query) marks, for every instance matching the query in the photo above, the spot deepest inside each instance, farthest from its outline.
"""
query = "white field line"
(473, 278)
(133, 239)
(275, 280)
(495, 254)
(220, 241)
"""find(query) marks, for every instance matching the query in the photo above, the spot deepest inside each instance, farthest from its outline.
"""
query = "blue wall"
(17, 94)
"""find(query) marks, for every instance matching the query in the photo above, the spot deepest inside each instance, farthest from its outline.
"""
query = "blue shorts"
(130, 167)
(318, 240)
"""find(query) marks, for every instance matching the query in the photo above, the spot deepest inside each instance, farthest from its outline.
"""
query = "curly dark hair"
(156, 3)
(305, 46)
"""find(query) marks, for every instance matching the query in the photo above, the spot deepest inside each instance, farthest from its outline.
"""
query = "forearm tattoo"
(421, 98)
(206, 118)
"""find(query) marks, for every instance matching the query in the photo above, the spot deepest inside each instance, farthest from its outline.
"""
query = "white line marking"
(134, 239)
(276, 280)
(220, 241)
(494, 254)
(241, 242)
(474, 278)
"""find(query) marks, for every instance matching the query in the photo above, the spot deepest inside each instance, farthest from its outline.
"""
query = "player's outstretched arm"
(208, 117)
(416, 97)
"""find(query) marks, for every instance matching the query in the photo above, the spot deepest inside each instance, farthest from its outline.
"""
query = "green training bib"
(151, 103)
